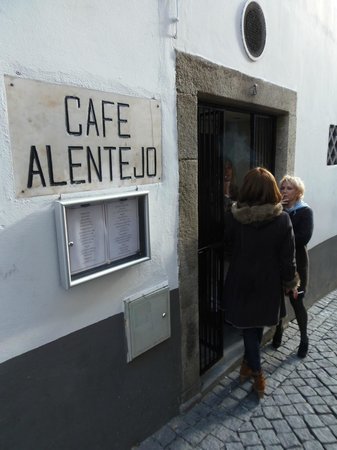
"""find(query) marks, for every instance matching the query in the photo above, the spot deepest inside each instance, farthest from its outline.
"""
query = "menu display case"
(99, 235)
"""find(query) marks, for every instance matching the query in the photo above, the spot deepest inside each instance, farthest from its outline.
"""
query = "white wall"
(300, 54)
(127, 47)
(120, 47)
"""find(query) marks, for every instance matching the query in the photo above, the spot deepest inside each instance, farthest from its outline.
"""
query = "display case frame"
(100, 235)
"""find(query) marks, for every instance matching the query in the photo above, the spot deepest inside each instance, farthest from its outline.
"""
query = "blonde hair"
(296, 182)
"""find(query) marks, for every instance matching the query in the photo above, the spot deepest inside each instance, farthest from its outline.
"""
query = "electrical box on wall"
(147, 321)
(99, 235)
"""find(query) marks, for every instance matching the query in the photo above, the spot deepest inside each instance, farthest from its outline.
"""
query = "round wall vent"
(253, 27)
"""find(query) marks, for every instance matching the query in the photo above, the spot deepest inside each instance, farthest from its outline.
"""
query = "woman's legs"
(301, 315)
(302, 321)
(252, 338)
(277, 339)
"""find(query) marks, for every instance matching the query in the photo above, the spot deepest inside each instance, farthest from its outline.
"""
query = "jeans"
(252, 338)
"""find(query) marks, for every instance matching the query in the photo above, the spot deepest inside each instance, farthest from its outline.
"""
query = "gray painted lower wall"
(79, 393)
(322, 273)
(323, 270)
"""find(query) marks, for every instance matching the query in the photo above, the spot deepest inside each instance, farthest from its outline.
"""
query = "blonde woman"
(301, 216)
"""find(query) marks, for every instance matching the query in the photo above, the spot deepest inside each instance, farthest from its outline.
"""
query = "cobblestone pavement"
(299, 410)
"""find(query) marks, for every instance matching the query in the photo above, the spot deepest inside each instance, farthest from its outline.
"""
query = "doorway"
(200, 81)
(230, 142)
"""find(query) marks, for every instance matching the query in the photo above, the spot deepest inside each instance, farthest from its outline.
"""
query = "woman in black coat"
(260, 240)
(301, 216)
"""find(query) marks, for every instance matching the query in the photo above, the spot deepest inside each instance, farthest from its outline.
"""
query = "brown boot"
(259, 383)
(245, 371)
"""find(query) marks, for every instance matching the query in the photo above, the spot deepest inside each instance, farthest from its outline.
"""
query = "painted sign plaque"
(67, 139)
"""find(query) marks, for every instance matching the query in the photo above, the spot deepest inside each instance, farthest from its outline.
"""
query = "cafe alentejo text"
(97, 162)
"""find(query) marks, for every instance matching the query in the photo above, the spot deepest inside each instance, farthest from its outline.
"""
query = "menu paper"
(86, 226)
(102, 233)
(123, 228)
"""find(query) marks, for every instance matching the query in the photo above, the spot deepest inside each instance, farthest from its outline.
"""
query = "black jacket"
(303, 225)
(261, 246)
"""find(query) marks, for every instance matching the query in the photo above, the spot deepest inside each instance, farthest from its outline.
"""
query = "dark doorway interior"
(230, 142)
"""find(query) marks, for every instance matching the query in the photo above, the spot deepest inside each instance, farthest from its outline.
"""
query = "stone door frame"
(200, 80)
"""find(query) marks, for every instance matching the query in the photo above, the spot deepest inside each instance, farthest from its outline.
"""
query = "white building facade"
(80, 365)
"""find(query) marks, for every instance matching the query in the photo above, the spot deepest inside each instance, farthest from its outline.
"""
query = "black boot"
(303, 348)
(277, 339)
(302, 321)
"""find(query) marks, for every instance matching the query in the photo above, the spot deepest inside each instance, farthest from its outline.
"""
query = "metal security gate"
(215, 125)
(211, 270)
(263, 142)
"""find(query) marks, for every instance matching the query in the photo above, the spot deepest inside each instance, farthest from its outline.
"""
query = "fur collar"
(258, 213)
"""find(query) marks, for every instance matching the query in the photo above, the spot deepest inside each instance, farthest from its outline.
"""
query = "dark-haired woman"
(260, 240)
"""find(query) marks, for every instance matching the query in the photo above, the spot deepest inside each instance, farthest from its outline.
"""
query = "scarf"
(298, 205)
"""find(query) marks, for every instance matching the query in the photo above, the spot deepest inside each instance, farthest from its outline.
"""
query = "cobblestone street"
(299, 410)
